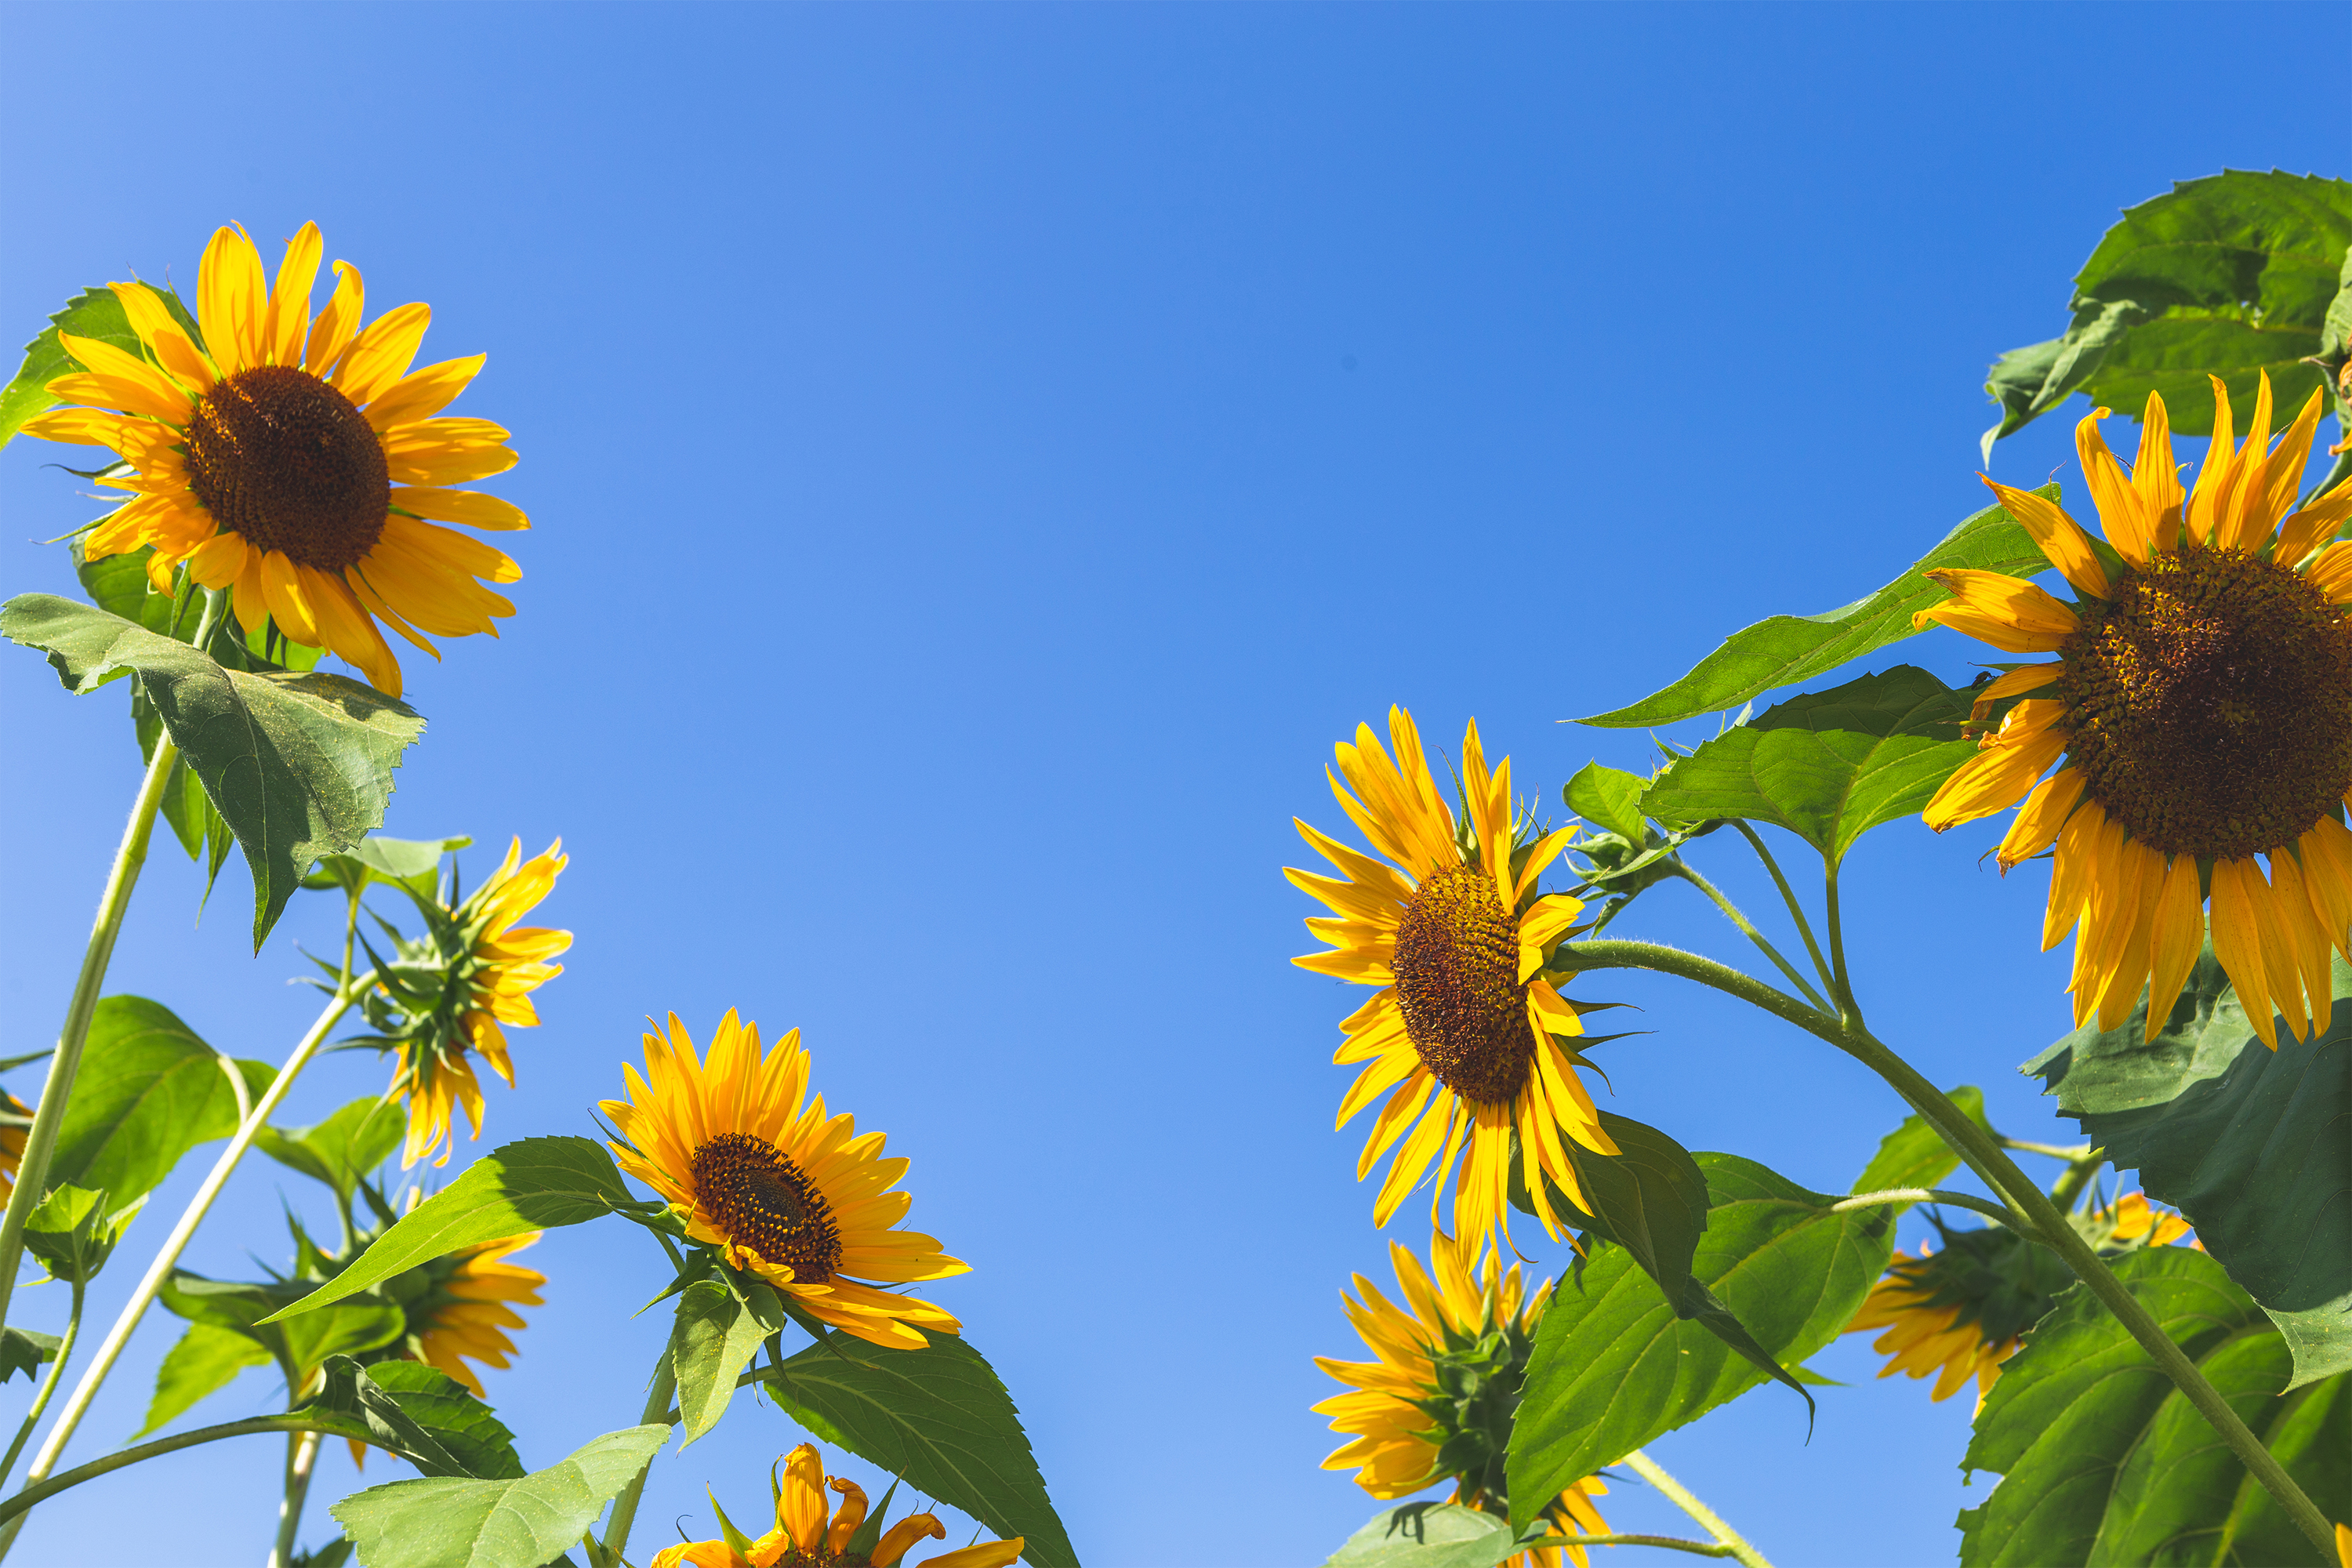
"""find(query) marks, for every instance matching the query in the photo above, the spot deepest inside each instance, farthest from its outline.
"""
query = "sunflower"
(2200, 710)
(1438, 1403)
(2135, 1218)
(803, 1538)
(783, 1192)
(293, 460)
(473, 972)
(1463, 1037)
(15, 1120)
(469, 1308)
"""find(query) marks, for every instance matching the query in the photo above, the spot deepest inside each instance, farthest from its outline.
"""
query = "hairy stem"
(1926, 1195)
(49, 1383)
(1840, 987)
(301, 1454)
(1672, 1543)
(1788, 896)
(624, 1507)
(1647, 1468)
(1732, 912)
(2037, 1212)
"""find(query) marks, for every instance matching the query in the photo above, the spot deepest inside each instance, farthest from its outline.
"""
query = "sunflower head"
(1461, 1045)
(447, 995)
(804, 1537)
(1438, 1403)
(2199, 713)
(293, 460)
(463, 1306)
(755, 1170)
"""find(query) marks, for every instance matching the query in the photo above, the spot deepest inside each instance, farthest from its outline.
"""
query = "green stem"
(624, 1507)
(1924, 1196)
(160, 1269)
(1647, 1468)
(2078, 1175)
(1672, 1543)
(301, 1454)
(1732, 912)
(1840, 987)
(13, 1509)
(2055, 1150)
(1788, 896)
(49, 1383)
(1977, 1147)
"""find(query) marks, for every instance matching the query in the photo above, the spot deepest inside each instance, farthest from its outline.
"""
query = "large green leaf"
(92, 313)
(344, 1150)
(715, 1334)
(301, 1345)
(149, 1090)
(1785, 649)
(205, 1360)
(536, 1184)
(1613, 1369)
(2254, 1146)
(937, 1417)
(1914, 1154)
(521, 1523)
(1827, 766)
(2232, 275)
(72, 1231)
(1428, 1535)
(2103, 1462)
(298, 765)
(465, 1428)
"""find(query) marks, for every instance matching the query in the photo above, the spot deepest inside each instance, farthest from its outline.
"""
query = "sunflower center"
(763, 1201)
(2211, 703)
(1457, 966)
(283, 459)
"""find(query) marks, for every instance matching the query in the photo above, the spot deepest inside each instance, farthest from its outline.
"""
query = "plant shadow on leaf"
(1428, 1535)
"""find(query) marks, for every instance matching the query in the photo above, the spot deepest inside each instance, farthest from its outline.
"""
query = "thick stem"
(2036, 1211)
(1840, 987)
(1924, 1196)
(624, 1507)
(1788, 896)
(2078, 1175)
(1732, 912)
(1647, 1468)
(301, 1453)
(49, 1383)
(13, 1509)
(169, 1255)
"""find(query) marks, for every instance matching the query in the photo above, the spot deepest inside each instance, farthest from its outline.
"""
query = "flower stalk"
(1735, 1545)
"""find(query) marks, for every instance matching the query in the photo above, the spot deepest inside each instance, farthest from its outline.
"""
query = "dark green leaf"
(524, 1523)
(92, 313)
(203, 1364)
(1609, 798)
(343, 1149)
(2103, 1461)
(1428, 1535)
(2230, 275)
(1649, 1198)
(713, 1339)
(1613, 1368)
(25, 1350)
(350, 1396)
(298, 765)
(1785, 649)
(1827, 766)
(938, 1417)
(536, 1184)
(1914, 1154)
(2254, 1146)
(466, 1429)
(148, 1091)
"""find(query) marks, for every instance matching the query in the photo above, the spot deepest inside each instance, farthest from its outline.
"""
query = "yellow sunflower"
(294, 460)
(756, 1169)
(804, 1538)
(2199, 712)
(12, 1140)
(471, 1307)
(488, 966)
(1438, 1403)
(1924, 1338)
(2137, 1217)
(1463, 1038)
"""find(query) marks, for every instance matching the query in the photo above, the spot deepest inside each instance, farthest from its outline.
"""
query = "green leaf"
(1785, 649)
(1609, 798)
(205, 1360)
(410, 863)
(2105, 1462)
(938, 1417)
(1914, 1154)
(344, 1150)
(298, 765)
(2231, 275)
(2254, 1146)
(1613, 1369)
(464, 1427)
(25, 1350)
(536, 1184)
(92, 313)
(72, 1231)
(1827, 766)
(148, 1091)
(1428, 1535)
(521, 1523)
(300, 1346)
(713, 1339)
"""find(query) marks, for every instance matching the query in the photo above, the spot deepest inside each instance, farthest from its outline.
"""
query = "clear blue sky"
(981, 460)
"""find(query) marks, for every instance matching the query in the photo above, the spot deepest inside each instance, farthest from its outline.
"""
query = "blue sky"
(981, 458)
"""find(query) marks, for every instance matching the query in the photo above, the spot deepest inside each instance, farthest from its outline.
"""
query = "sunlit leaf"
(205, 1361)
(148, 1091)
(1428, 1535)
(521, 1523)
(714, 1337)
(467, 1430)
(344, 1150)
